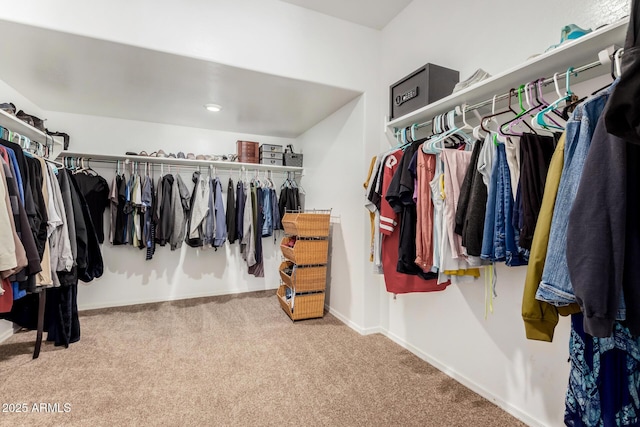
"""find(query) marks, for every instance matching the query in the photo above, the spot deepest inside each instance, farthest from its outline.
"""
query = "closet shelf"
(14, 124)
(180, 162)
(573, 54)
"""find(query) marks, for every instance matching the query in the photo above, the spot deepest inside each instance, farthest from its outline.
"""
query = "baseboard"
(6, 335)
(472, 385)
(152, 300)
(344, 319)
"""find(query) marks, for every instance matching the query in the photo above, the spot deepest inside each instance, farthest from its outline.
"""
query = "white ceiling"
(370, 13)
(74, 74)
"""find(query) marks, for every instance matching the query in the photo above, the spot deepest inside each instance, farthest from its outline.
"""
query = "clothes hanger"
(460, 133)
(430, 146)
(405, 143)
(520, 117)
(457, 137)
(440, 136)
(477, 131)
(539, 96)
(462, 111)
(493, 115)
(414, 127)
(617, 61)
(501, 129)
(269, 179)
(79, 169)
(561, 98)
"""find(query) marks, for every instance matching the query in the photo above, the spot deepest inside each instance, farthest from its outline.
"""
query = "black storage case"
(425, 85)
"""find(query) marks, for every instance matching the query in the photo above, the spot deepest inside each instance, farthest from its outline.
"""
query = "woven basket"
(305, 252)
(304, 279)
(307, 224)
(306, 306)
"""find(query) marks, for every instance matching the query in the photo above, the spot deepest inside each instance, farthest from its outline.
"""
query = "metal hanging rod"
(504, 96)
(231, 168)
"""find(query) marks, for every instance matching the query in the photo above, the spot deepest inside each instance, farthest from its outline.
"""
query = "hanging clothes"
(399, 196)
(95, 190)
(199, 210)
(210, 219)
(166, 210)
(240, 204)
(257, 269)
(220, 232)
(390, 225)
(68, 278)
(536, 153)
(622, 115)
(423, 172)
(180, 207)
(289, 198)
(555, 286)
(540, 318)
(11, 259)
(151, 219)
(267, 214)
(604, 378)
(471, 209)
(231, 213)
(500, 237)
(456, 163)
(248, 243)
(275, 210)
(60, 243)
(602, 235)
(93, 267)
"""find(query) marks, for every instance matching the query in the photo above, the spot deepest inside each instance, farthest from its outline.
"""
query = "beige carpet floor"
(229, 361)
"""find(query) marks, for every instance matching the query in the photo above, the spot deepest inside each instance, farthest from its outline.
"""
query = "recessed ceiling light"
(213, 107)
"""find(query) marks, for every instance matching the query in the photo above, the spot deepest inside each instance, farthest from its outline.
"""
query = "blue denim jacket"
(499, 241)
(555, 287)
(267, 214)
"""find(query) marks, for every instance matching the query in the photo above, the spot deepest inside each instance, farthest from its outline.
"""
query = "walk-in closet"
(299, 212)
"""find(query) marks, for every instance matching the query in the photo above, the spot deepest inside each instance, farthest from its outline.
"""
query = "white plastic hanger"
(617, 58)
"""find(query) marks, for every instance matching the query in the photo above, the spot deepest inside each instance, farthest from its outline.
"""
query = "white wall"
(466, 35)
(333, 179)
(449, 329)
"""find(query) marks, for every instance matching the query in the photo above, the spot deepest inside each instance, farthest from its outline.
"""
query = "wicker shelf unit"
(304, 271)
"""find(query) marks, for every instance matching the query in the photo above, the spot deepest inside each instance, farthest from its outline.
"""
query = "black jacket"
(472, 205)
(596, 235)
(622, 114)
(89, 257)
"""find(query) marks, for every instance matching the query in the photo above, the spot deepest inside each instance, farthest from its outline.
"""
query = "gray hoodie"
(181, 204)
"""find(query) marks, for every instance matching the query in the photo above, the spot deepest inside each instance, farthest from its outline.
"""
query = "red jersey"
(397, 283)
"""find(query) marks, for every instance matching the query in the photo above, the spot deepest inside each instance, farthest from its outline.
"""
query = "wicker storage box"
(305, 306)
(307, 224)
(305, 252)
(304, 279)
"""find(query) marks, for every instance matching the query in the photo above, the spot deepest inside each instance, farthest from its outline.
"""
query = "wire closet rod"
(504, 96)
(129, 163)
